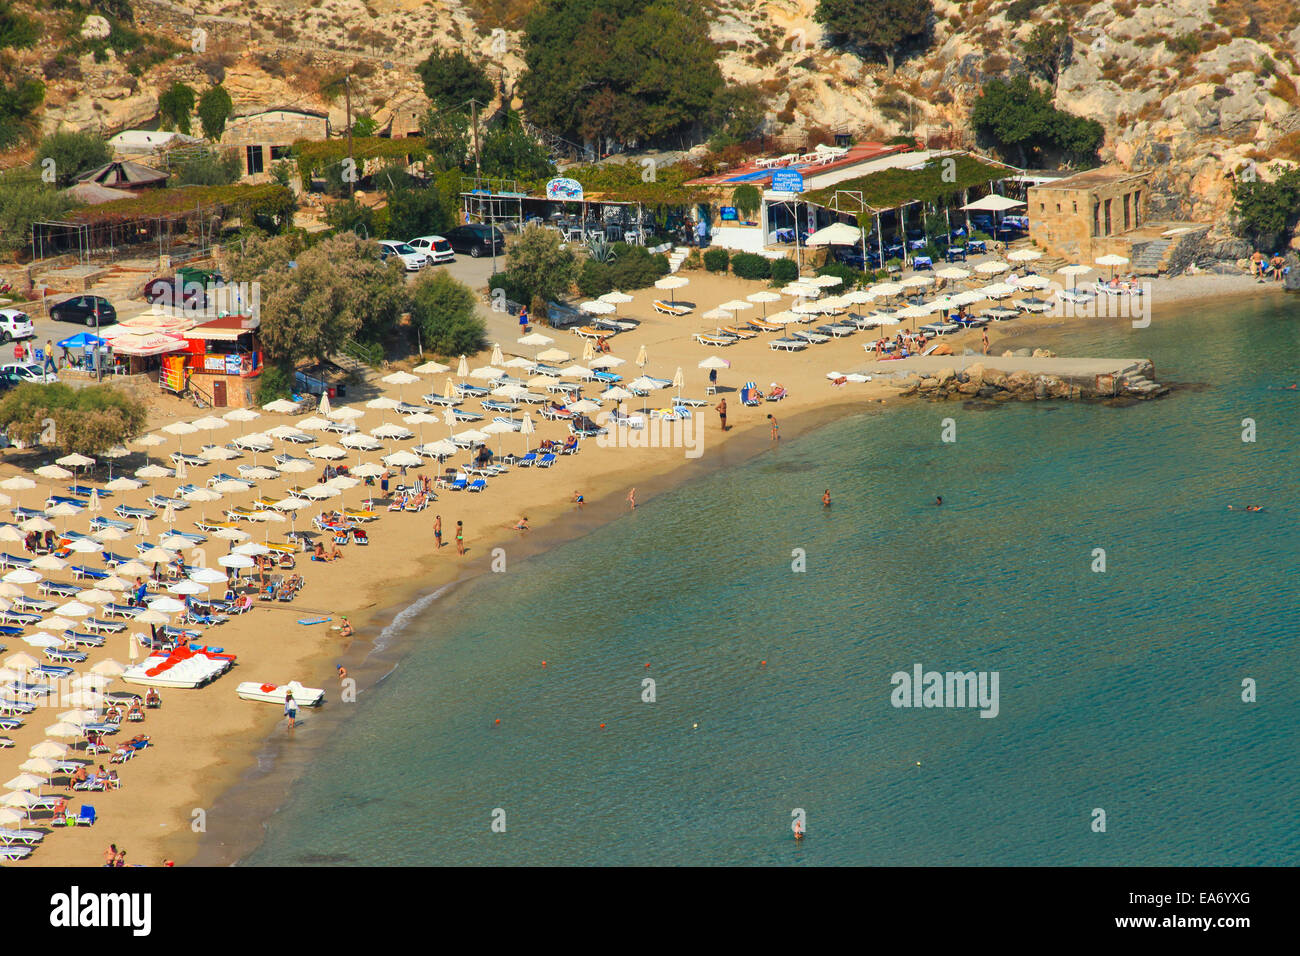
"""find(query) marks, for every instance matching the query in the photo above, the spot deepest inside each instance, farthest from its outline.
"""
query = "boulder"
(945, 375)
(95, 28)
(929, 384)
(1043, 353)
(995, 377)
(968, 388)
(975, 374)
(1020, 382)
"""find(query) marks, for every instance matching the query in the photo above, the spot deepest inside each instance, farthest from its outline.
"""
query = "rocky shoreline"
(985, 383)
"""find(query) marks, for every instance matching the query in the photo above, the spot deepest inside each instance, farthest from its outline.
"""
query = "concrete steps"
(1150, 258)
(677, 257)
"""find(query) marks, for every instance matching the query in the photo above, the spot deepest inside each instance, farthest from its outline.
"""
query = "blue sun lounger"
(162, 501)
(108, 627)
(121, 610)
(60, 655)
(56, 587)
(194, 460)
(10, 723)
(433, 398)
(13, 561)
(19, 618)
(11, 707)
(609, 378)
(10, 630)
(83, 572)
(527, 461)
(492, 405)
(473, 391)
(478, 484)
(464, 416)
(84, 640)
(99, 522)
(190, 536)
(126, 511)
(53, 500)
(546, 461)
(22, 514)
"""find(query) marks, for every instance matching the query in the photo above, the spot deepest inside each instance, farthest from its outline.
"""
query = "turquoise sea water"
(1118, 690)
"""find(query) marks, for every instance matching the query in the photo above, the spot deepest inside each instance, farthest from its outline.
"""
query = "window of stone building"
(280, 152)
(1108, 219)
(1128, 216)
(254, 157)
(1076, 207)
(1137, 206)
(1096, 219)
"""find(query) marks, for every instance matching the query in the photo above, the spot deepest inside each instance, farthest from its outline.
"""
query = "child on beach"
(460, 538)
(578, 499)
(291, 709)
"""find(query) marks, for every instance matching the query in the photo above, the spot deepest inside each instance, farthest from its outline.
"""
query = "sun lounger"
(239, 512)
(14, 561)
(786, 345)
(340, 428)
(193, 460)
(815, 338)
(126, 511)
(671, 308)
(228, 477)
(739, 333)
(190, 536)
(11, 838)
(210, 526)
(12, 854)
(60, 655)
(24, 603)
(492, 405)
(546, 461)
(439, 400)
(715, 340)
(100, 625)
(53, 500)
(9, 707)
(592, 332)
(78, 639)
(58, 588)
(470, 391)
(22, 514)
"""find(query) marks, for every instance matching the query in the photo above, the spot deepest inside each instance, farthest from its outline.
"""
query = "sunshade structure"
(616, 298)
(763, 298)
(1024, 255)
(836, 234)
(992, 203)
(670, 284)
(124, 174)
(432, 368)
(1112, 261)
(596, 307)
(282, 406)
(991, 268)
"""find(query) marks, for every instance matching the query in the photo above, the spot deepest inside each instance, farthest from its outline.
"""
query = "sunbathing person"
(80, 776)
(152, 698)
(570, 443)
(318, 553)
(135, 712)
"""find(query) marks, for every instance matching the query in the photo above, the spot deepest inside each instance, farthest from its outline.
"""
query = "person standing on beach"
(776, 429)
(291, 709)
(722, 413)
(984, 334)
(631, 499)
(437, 531)
(460, 538)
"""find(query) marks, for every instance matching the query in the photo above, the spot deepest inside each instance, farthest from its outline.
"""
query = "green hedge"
(716, 259)
(783, 271)
(750, 265)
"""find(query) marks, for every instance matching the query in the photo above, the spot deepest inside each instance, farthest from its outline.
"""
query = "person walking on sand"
(437, 531)
(984, 334)
(776, 429)
(631, 499)
(826, 498)
(722, 413)
(291, 709)
(460, 538)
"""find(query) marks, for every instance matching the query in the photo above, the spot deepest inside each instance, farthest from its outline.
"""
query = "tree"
(86, 420)
(215, 107)
(625, 70)
(22, 204)
(348, 215)
(1267, 212)
(335, 290)
(416, 211)
(735, 115)
(208, 169)
(73, 153)
(175, 106)
(540, 265)
(446, 136)
(879, 27)
(509, 152)
(446, 312)
(18, 101)
(1021, 118)
(451, 79)
(1048, 50)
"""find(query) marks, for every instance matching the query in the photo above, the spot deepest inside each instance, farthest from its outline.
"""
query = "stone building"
(1089, 214)
(264, 136)
(400, 117)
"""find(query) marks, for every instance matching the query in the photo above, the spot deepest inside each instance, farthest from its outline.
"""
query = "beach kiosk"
(222, 359)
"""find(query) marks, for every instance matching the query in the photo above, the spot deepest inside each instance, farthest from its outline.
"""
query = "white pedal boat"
(276, 693)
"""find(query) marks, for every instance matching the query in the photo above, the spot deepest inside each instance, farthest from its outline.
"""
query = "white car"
(412, 261)
(15, 325)
(436, 248)
(30, 372)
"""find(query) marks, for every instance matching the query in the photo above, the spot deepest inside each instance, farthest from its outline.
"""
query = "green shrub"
(750, 265)
(851, 277)
(276, 381)
(716, 259)
(783, 271)
(595, 278)
(510, 284)
(636, 268)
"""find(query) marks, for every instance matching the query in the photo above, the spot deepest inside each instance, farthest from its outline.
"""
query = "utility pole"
(347, 93)
(478, 172)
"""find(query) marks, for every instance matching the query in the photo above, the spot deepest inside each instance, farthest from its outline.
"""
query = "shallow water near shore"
(1118, 691)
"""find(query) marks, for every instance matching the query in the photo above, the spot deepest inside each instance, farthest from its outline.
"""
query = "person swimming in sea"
(826, 498)
(1247, 508)
(938, 500)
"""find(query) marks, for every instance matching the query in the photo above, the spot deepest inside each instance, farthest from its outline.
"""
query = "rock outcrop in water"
(981, 382)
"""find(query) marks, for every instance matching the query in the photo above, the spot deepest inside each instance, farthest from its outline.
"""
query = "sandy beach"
(205, 741)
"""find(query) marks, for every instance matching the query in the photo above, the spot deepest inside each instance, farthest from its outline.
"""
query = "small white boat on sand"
(276, 693)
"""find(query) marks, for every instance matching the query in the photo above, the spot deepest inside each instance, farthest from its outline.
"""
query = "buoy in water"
(602, 726)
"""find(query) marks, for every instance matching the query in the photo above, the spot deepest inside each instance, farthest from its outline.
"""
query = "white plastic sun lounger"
(815, 337)
(715, 340)
(28, 837)
(786, 345)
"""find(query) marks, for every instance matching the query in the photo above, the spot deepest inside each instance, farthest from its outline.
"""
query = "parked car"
(436, 248)
(412, 261)
(187, 288)
(81, 308)
(15, 325)
(28, 372)
(9, 380)
(477, 239)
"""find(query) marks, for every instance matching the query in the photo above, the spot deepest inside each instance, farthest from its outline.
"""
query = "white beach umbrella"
(281, 406)
(886, 289)
(596, 307)
(487, 373)
(383, 402)
(153, 471)
(401, 459)
(186, 587)
(49, 750)
(124, 484)
(432, 368)
(391, 432)
(75, 609)
(345, 413)
(992, 267)
(535, 340)
(328, 452)
(952, 272)
(1024, 255)
(109, 668)
(554, 356)
(360, 441)
(206, 576)
(22, 576)
(1033, 282)
(615, 298)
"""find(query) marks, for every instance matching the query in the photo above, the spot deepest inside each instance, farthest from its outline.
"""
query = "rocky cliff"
(1194, 90)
